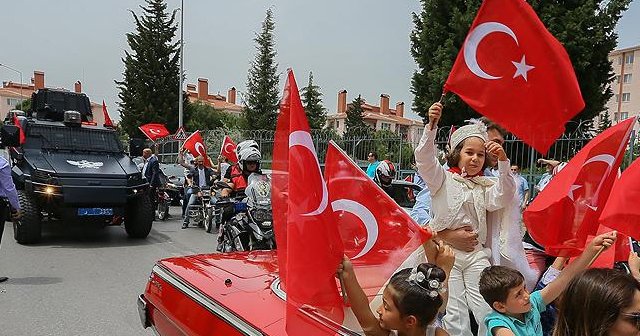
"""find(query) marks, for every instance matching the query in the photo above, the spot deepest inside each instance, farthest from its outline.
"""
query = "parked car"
(222, 294)
(404, 193)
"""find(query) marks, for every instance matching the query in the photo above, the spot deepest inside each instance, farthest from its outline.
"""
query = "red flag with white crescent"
(195, 145)
(621, 211)
(107, 119)
(309, 245)
(154, 131)
(566, 212)
(228, 149)
(513, 71)
(16, 122)
(378, 235)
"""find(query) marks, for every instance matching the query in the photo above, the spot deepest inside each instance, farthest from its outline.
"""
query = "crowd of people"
(481, 281)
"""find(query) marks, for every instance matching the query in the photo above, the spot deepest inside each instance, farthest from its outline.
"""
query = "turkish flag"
(154, 131)
(16, 122)
(195, 145)
(513, 71)
(378, 235)
(567, 210)
(621, 211)
(228, 149)
(309, 245)
(107, 119)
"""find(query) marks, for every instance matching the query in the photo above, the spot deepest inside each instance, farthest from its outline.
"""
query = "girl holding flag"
(483, 209)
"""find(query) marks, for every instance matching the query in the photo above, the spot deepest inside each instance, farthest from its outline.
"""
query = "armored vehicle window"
(75, 138)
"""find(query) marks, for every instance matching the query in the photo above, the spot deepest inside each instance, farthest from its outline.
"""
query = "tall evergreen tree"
(312, 99)
(148, 90)
(604, 121)
(355, 126)
(261, 108)
(585, 28)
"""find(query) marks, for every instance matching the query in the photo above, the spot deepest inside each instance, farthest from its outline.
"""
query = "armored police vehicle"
(68, 168)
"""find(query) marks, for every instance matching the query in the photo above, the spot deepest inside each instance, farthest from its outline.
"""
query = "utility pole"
(180, 103)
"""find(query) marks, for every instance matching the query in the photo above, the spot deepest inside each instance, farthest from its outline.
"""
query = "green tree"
(234, 122)
(312, 100)
(148, 90)
(355, 126)
(24, 105)
(261, 108)
(585, 28)
(203, 117)
(604, 122)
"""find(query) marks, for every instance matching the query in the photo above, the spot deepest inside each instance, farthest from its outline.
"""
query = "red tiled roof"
(380, 116)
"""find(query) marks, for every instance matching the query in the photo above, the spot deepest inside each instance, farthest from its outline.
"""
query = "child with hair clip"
(410, 301)
(476, 214)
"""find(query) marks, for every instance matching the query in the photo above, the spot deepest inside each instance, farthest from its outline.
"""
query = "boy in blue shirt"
(516, 311)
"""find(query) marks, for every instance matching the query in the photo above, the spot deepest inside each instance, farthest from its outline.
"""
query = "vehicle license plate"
(95, 211)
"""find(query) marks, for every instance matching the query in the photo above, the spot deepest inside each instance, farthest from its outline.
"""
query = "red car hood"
(239, 281)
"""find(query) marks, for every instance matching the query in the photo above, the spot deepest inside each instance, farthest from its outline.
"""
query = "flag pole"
(344, 293)
(444, 93)
(597, 255)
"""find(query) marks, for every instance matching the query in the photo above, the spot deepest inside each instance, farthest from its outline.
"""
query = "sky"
(358, 45)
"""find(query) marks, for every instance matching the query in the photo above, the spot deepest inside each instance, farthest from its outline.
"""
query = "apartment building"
(225, 104)
(625, 102)
(11, 94)
(380, 117)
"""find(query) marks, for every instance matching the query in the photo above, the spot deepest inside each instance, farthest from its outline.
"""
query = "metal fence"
(398, 148)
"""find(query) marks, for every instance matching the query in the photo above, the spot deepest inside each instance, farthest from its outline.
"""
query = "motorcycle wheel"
(208, 223)
(241, 242)
(227, 242)
(162, 211)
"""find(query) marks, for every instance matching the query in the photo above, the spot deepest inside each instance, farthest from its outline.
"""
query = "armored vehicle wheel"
(138, 217)
(28, 229)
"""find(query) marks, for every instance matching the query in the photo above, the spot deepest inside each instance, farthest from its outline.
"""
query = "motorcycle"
(163, 201)
(201, 211)
(251, 226)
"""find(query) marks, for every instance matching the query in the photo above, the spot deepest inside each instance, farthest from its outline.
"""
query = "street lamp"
(20, 73)
(180, 103)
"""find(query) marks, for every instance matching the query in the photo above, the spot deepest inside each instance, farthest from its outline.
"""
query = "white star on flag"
(572, 189)
(522, 68)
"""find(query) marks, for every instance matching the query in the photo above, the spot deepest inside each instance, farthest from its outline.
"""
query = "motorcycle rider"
(384, 174)
(202, 178)
(248, 162)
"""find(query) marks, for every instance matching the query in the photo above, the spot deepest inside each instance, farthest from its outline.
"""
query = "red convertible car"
(221, 294)
(229, 294)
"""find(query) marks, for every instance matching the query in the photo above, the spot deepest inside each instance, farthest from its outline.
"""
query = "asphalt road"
(85, 280)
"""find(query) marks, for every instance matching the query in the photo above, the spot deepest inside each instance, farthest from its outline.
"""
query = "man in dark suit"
(9, 201)
(202, 177)
(151, 170)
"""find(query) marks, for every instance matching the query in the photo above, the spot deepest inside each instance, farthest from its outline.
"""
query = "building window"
(620, 60)
(626, 97)
(616, 97)
(627, 78)
(337, 123)
(629, 59)
(624, 115)
(12, 102)
(385, 126)
(617, 79)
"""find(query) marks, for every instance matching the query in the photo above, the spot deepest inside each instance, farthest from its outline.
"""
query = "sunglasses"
(633, 318)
